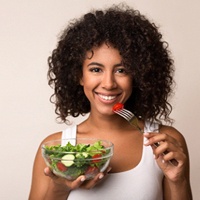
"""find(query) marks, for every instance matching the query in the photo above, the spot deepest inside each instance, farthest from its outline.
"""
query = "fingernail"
(83, 179)
(163, 161)
(146, 141)
(147, 133)
(101, 176)
(46, 172)
(109, 169)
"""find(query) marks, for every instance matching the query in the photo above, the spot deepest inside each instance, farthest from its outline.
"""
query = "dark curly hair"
(143, 51)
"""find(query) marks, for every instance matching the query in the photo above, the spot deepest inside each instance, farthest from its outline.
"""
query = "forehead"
(103, 52)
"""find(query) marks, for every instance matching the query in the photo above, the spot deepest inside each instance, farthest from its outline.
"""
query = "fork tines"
(125, 113)
(130, 117)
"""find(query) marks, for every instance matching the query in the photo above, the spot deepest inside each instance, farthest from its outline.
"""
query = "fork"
(129, 116)
(133, 120)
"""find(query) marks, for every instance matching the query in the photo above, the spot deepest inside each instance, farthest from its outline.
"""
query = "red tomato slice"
(61, 167)
(96, 156)
(118, 106)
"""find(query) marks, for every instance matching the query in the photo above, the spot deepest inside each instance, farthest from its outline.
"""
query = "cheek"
(88, 81)
(126, 84)
(88, 89)
(88, 84)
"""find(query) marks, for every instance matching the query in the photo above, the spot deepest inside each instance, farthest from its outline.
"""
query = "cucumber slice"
(68, 160)
(81, 155)
(78, 155)
(85, 154)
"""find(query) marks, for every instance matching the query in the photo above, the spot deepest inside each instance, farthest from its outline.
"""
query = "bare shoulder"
(54, 136)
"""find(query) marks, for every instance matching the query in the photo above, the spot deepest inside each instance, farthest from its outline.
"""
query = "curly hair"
(143, 52)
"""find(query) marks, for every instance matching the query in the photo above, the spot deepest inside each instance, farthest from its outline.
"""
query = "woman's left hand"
(170, 154)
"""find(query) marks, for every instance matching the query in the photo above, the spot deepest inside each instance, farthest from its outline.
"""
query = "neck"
(111, 127)
(111, 123)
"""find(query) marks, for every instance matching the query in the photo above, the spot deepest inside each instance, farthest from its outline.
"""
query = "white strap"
(151, 127)
(67, 134)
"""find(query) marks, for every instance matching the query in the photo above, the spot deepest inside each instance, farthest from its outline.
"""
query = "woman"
(103, 58)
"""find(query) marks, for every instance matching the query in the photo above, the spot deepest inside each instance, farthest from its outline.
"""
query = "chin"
(105, 111)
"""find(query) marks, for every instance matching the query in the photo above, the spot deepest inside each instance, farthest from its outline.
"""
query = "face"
(105, 80)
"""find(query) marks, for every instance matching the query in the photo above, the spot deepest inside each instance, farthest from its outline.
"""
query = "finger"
(175, 158)
(49, 173)
(77, 183)
(169, 160)
(92, 182)
(163, 147)
(103, 174)
(157, 138)
(108, 170)
(166, 155)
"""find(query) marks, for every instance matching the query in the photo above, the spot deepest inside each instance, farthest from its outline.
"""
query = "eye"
(95, 69)
(121, 71)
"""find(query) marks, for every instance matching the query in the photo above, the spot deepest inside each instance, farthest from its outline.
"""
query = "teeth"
(107, 98)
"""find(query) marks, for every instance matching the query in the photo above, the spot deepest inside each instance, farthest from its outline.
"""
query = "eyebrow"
(101, 65)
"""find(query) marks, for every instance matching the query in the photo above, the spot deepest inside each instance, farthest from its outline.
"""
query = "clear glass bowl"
(89, 158)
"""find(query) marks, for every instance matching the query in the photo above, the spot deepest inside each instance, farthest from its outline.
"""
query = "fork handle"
(134, 122)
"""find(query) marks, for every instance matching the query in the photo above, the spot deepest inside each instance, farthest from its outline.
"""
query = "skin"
(106, 82)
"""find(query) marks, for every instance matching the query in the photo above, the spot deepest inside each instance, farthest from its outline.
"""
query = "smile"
(107, 98)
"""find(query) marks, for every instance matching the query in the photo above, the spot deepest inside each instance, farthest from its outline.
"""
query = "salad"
(70, 161)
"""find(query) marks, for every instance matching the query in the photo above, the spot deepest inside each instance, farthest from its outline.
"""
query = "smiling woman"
(106, 57)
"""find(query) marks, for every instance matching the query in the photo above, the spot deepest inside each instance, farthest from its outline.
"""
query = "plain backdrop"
(28, 33)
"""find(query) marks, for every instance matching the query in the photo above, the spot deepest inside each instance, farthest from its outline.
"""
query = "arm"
(176, 182)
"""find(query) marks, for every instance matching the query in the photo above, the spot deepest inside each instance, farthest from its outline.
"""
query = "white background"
(28, 33)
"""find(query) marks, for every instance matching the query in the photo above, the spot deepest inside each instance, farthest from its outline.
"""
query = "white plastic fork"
(132, 119)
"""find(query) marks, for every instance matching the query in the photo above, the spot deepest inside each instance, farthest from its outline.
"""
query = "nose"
(108, 81)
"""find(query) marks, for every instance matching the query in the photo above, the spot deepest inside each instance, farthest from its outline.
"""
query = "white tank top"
(143, 182)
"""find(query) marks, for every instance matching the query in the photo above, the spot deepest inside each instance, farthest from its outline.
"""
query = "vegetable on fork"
(118, 106)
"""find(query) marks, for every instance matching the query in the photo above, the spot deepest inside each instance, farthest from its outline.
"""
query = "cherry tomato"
(118, 106)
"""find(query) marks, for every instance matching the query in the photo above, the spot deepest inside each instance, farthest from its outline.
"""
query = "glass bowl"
(70, 158)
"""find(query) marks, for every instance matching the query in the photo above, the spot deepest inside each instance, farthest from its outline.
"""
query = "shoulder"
(53, 136)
